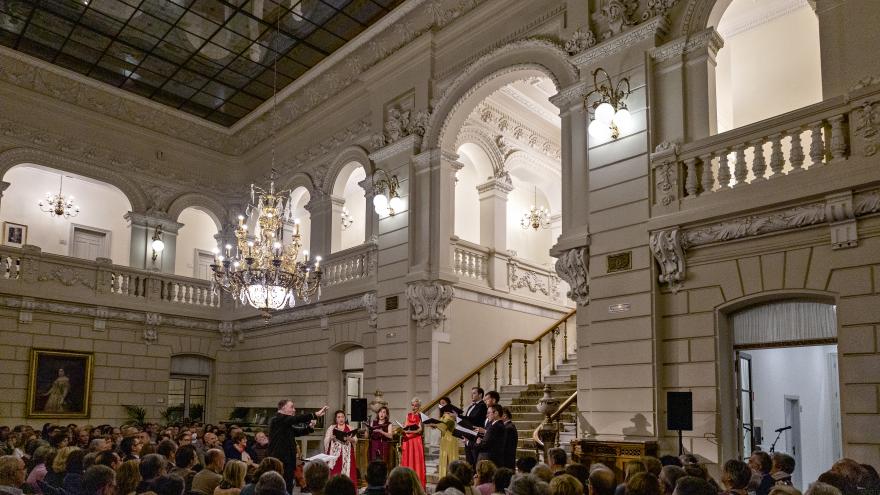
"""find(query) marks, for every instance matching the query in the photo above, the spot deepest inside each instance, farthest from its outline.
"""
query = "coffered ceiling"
(211, 58)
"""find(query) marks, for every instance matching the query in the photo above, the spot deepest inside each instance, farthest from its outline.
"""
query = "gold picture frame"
(59, 384)
(14, 234)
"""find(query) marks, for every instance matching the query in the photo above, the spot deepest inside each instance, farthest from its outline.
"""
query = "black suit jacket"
(282, 436)
(511, 441)
(493, 443)
(476, 414)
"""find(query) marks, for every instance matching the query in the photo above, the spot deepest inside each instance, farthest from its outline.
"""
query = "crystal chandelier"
(347, 219)
(58, 205)
(261, 270)
(537, 217)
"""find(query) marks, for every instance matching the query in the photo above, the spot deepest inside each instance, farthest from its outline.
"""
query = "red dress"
(413, 455)
(345, 462)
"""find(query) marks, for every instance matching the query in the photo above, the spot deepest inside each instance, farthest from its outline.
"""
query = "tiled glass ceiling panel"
(211, 58)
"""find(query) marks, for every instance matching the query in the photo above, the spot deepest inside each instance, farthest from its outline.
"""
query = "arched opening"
(299, 198)
(477, 170)
(780, 357)
(770, 63)
(188, 388)
(98, 230)
(349, 227)
(195, 242)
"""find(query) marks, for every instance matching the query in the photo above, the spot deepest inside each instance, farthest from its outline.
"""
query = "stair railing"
(536, 437)
(549, 339)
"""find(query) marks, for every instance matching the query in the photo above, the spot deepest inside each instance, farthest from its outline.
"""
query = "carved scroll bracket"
(572, 266)
(666, 246)
(428, 300)
(151, 327)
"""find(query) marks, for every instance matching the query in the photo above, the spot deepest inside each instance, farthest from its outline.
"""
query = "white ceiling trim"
(767, 12)
(531, 105)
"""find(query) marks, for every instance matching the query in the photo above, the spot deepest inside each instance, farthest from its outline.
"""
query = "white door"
(793, 436)
(88, 244)
(204, 260)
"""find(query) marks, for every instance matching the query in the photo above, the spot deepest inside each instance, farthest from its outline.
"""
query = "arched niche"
(195, 241)
(101, 215)
(347, 187)
(477, 170)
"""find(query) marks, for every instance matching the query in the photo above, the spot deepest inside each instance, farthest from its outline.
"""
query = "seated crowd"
(208, 460)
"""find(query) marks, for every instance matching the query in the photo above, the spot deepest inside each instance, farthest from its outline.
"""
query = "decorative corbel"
(101, 315)
(26, 311)
(372, 306)
(666, 246)
(151, 327)
(841, 218)
(227, 335)
(572, 267)
(428, 300)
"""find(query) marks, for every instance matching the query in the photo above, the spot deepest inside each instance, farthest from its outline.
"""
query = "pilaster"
(143, 226)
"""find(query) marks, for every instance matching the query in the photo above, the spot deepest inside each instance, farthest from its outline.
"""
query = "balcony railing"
(481, 267)
(356, 263)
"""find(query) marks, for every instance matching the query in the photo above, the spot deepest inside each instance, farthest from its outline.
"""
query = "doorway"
(89, 243)
(793, 435)
(352, 377)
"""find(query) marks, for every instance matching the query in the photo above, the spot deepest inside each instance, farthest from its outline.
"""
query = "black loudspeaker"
(679, 411)
(358, 409)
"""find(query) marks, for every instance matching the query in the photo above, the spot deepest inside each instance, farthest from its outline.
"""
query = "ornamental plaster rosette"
(428, 301)
(571, 266)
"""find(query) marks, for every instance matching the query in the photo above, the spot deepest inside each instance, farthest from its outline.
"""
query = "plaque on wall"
(391, 303)
(619, 262)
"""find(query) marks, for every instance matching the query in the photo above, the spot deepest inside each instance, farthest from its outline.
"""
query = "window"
(188, 388)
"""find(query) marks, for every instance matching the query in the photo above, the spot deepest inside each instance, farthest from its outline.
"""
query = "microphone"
(780, 430)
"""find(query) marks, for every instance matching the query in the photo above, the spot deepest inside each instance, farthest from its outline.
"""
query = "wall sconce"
(609, 113)
(387, 201)
(158, 245)
(347, 219)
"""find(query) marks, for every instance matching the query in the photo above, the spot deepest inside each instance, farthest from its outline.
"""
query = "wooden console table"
(615, 455)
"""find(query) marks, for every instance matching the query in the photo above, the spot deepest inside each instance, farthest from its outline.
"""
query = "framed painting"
(60, 384)
(14, 234)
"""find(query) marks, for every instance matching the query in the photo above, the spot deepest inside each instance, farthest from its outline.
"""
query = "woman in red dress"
(342, 450)
(413, 455)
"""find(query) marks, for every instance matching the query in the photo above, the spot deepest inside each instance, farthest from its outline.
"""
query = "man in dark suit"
(491, 446)
(511, 439)
(476, 415)
(282, 435)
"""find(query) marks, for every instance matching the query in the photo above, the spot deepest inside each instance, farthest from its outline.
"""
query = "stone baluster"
(838, 139)
(817, 146)
(759, 165)
(690, 182)
(723, 171)
(706, 175)
(777, 160)
(796, 155)
(740, 169)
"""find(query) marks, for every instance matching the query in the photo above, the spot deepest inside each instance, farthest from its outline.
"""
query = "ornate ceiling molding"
(647, 30)
(708, 38)
(531, 105)
(768, 11)
(501, 122)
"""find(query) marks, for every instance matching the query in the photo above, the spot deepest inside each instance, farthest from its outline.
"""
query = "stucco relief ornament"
(579, 41)
(866, 203)
(571, 266)
(151, 327)
(666, 246)
(867, 119)
(665, 181)
(397, 124)
(227, 335)
(67, 276)
(617, 16)
(428, 301)
(656, 8)
(372, 306)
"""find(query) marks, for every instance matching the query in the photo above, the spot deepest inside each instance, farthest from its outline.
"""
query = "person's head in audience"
(183, 438)
(316, 474)
(525, 464)
(566, 484)
(542, 472)
(525, 484)
(871, 478)
(632, 468)
(214, 460)
(760, 462)
(485, 472)
(12, 471)
(339, 485)
(558, 459)
(784, 490)
(151, 467)
(82, 438)
(736, 475)
(461, 470)
(127, 477)
(99, 445)
(693, 485)
(210, 440)
(377, 473)
(75, 462)
(130, 447)
(59, 462)
(502, 479)
(670, 460)
(643, 483)
(602, 481)
(782, 462)
(404, 481)
(854, 473)
(167, 449)
(447, 482)
(819, 488)
(271, 483)
(233, 474)
(269, 465)
(170, 484)
(491, 398)
(99, 480)
(580, 472)
(43, 455)
(838, 481)
(669, 475)
(652, 465)
(108, 458)
(90, 460)
(186, 457)
(59, 440)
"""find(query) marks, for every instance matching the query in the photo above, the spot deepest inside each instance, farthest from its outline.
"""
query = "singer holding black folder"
(381, 436)
(413, 450)
(339, 441)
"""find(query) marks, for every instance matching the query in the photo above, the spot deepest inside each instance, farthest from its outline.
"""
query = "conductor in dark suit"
(491, 446)
(511, 439)
(282, 435)
(476, 415)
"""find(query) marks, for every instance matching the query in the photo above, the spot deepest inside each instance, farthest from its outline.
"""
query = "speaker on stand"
(358, 410)
(680, 414)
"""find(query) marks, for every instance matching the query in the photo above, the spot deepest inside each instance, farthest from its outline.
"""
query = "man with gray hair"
(271, 483)
(12, 475)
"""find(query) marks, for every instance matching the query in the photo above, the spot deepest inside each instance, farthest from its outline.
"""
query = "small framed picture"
(14, 234)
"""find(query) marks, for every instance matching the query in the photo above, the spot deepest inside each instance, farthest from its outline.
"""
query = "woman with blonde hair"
(485, 476)
(566, 484)
(55, 477)
(233, 478)
(413, 450)
(127, 477)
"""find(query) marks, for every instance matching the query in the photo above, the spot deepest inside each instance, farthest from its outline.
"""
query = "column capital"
(496, 184)
(151, 219)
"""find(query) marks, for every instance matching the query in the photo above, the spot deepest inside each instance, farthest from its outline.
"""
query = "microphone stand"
(778, 434)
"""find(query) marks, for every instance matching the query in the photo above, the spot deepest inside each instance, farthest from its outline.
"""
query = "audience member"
(565, 484)
(233, 478)
(602, 481)
(526, 484)
(377, 472)
(99, 480)
(502, 479)
(340, 485)
(855, 474)
(819, 488)
(206, 480)
(130, 448)
(558, 459)
(72, 482)
(170, 484)
(760, 463)
(784, 490)
(484, 477)
(669, 475)
(55, 474)
(108, 458)
(643, 483)
(316, 474)
(630, 469)
(12, 475)
(260, 447)
(693, 485)
(40, 460)
(525, 464)
(151, 467)
(735, 477)
(127, 478)
(167, 449)
(670, 460)
(463, 471)
(580, 473)
(271, 482)
(449, 482)
(404, 481)
(542, 472)
(783, 466)
(838, 481)
(184, 461)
